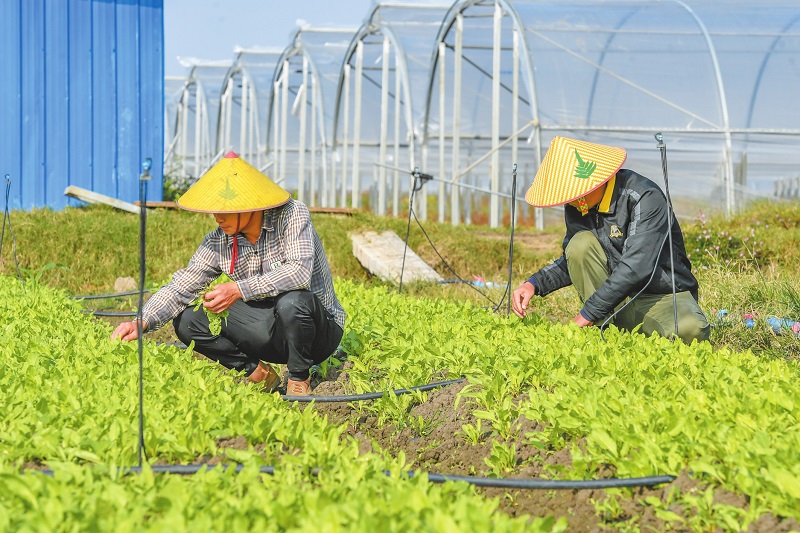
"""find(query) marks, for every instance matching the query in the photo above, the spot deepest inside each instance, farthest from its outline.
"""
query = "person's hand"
(127, 331)
(222, 297)
(520, 298)
(582, 322)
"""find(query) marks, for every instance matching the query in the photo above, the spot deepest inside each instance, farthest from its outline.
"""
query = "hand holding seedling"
(221, 297)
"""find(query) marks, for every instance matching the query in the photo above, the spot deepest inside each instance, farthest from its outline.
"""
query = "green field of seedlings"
(541, 399)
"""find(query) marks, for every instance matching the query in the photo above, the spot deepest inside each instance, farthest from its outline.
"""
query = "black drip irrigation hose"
(369, 395)
(101, 296)
(478, 481)
(110, 313)
(350, 397)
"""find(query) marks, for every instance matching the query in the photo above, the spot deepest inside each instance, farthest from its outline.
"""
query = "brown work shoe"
(265, 375)
(298, 388)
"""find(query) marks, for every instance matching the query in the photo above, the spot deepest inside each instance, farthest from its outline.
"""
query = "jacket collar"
(605, 205)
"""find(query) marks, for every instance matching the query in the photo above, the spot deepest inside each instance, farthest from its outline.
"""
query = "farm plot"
(541, 400)
(69, 399)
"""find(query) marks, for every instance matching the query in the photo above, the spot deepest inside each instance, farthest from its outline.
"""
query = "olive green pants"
(588, 268)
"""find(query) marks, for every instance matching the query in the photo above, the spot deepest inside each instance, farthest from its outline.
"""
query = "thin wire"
(408, 225)
(511, 241)
(447, 265)
(663, 148)
(416, 187)
(7, 216)
(615, 313)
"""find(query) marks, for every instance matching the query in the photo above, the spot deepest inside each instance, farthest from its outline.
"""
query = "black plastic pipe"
(100, 296)
(368, 395)
(110, 313)
(478, 481)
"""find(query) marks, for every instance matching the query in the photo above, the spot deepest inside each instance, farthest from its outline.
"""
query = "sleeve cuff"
(533, 282)
(245, 289)
(583, 314)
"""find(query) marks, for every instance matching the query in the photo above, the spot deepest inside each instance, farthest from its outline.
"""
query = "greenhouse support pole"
(184, 129)
(396, 173)
(442, 103)
(301, 146)
(323, 145)
(242, 117)
(514, 113)
(356, 193)
(381, 207)
(322, 196)
(198, 162)
(252, 124)
(284, 120)
(730, 200)
(345, 134)
(494, 201)
(276, 125)
(454, 192)
(228, 112)
(205, 137)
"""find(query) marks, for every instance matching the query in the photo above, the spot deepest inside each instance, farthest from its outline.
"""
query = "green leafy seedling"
(214, 319)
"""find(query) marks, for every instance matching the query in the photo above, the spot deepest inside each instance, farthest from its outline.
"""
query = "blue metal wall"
(81, 98)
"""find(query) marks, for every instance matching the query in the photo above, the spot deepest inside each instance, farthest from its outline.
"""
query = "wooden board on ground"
(382, 255)
(92, 197)
(327, 210)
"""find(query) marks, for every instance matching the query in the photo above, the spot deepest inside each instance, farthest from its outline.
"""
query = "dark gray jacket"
(633, 234)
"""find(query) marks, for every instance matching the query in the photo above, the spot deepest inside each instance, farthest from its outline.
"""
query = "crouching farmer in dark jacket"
(616, 246)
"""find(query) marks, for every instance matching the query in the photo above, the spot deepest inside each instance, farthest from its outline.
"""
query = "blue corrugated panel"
(81, 84)
(11, 91)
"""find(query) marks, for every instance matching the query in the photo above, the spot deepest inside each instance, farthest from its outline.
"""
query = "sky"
(211, 29)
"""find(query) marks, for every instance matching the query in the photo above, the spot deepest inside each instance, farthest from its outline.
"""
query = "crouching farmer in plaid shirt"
(281, 303)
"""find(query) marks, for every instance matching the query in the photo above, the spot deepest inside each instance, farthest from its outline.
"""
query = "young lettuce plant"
(214, 319)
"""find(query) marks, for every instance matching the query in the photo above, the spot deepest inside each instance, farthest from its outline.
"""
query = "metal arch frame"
(723, 102)
(240, 66)
(373, 26)
(525, 64)
(763, 67)
(225, 115)
(601, 60)
(297, 49)
(181, 119)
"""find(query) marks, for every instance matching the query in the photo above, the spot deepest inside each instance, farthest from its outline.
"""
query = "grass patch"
(747, 264)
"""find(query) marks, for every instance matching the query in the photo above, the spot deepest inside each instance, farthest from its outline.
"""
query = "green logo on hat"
(228, 193)
(584, 169)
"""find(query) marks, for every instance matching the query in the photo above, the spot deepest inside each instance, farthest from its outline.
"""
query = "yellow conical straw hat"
(233, 186)
(572, 169)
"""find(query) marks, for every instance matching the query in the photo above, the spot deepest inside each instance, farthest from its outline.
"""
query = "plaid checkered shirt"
(288, 255)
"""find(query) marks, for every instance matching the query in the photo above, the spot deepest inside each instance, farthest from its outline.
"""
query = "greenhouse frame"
(472, 92)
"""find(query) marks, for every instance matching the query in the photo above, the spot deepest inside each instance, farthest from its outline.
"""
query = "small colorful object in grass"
(779, 325)
(749, 320)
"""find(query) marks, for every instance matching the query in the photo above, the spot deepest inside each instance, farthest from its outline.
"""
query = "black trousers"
(292, 328)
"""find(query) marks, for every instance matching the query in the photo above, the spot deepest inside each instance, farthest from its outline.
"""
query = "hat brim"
(572, 169)
(233, 186)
